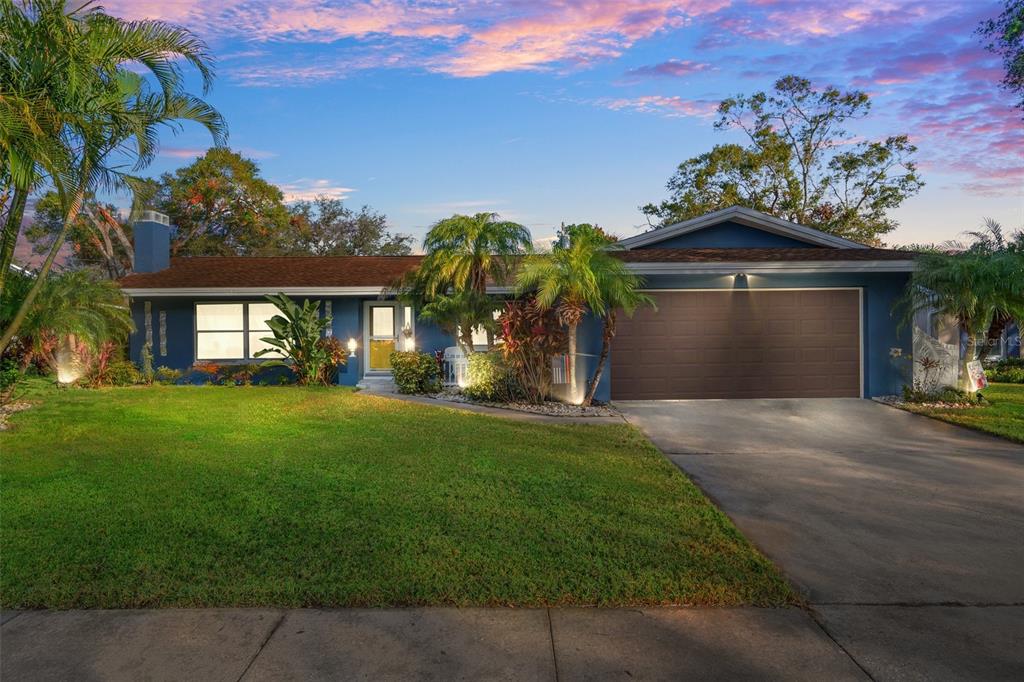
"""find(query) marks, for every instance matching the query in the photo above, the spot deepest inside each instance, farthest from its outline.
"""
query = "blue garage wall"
(729, 235)
(882, 332)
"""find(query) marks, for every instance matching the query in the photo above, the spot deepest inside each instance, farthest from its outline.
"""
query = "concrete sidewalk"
(420, 644)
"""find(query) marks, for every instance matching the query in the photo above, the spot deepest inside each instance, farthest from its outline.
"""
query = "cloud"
(461, 206)
(182, 152)
(307, 189)
(567, 33)
(673, 68)
(664, 105)
(196, 152)
(460, 38)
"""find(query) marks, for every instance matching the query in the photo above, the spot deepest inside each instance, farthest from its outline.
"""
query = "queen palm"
(75, 65)
(463, 255)
(974, 286)
(581, 274)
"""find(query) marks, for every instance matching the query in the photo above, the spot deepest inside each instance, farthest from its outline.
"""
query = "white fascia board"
(256, 291)
(755, 268)
(187, 292)
(743, 216)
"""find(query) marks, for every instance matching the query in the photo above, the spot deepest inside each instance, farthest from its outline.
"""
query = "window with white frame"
(232, 331)
(480, 334)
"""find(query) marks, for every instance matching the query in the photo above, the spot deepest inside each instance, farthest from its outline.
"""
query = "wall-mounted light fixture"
(351, 347)
(740, 275)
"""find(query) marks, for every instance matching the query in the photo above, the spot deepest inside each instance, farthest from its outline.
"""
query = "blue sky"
(548, 111)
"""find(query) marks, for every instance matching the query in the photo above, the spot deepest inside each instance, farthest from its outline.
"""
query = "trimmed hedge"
(415, 372)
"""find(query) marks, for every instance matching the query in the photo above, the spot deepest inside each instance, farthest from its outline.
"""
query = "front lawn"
(215, 496)
(1003, 417)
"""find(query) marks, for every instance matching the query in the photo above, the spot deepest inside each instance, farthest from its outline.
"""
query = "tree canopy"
(326, 227)
(800, 164)
(1006, 39)
(222, 206)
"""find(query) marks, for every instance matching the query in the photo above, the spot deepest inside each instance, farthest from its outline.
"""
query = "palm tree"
(75, 310)
(463, 255)
(75, 65)
(975, 286)
(581, 274)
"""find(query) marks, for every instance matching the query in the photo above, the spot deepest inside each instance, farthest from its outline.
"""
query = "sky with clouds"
(579, 110)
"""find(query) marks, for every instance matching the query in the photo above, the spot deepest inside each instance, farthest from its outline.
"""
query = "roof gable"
(737, 227)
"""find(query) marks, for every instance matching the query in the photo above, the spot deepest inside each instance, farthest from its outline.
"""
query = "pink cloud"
(570, 32)
(671, 106)
(673, 68)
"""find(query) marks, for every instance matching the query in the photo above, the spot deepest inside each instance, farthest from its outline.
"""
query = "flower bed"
(550, 407)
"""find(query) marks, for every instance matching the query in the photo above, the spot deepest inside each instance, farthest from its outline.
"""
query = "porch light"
(410, 343)
(351, 347)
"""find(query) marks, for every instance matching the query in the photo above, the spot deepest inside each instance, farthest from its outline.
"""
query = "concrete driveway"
(906, 535)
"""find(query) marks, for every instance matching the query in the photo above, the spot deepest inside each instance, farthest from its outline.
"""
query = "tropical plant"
(580, 275)
(464, 255)
(531, 336)
(75, 315)
(297, 332)
(976, 287)
(76, 113)
(800, 164)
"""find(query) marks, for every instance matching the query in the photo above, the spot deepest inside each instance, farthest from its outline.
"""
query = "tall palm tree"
(974, 286)
(76, 65)
(463, 255)
(581, 274)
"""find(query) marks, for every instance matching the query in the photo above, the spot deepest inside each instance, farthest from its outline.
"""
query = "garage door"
(740, 344)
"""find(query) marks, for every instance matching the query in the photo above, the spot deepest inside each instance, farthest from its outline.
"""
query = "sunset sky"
(579, 111)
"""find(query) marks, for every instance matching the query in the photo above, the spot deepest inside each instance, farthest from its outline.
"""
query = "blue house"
(748, 306)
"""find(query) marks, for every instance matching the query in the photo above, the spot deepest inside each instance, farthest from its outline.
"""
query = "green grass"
(213, 496)
(1003, 417)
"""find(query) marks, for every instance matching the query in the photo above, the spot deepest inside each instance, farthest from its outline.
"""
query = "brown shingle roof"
(382, 271)
(276, 271)
(760, 255)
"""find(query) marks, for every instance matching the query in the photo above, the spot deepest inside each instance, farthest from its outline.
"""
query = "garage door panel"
(740, 344)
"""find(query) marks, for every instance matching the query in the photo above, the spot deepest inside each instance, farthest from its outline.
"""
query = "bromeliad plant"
(298, 335)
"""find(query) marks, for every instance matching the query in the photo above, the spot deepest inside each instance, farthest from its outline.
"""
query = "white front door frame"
(400, 312)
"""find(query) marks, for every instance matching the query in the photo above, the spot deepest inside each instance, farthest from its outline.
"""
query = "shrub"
(489, 378)
(337, 356)
(531, 336)
(415, 372)
(9, 377)
(239, 375)
(167, 375)
(119, 373)
(1006, 374)
(947, 395)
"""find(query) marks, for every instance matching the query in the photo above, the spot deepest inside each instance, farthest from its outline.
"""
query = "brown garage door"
(740, 344)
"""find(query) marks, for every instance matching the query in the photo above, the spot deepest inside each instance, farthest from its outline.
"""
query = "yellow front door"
(383, 336)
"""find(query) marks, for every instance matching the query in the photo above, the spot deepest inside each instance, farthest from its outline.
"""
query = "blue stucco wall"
(729, 235)
(882, 332)
(347, 322)
(882, 374)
